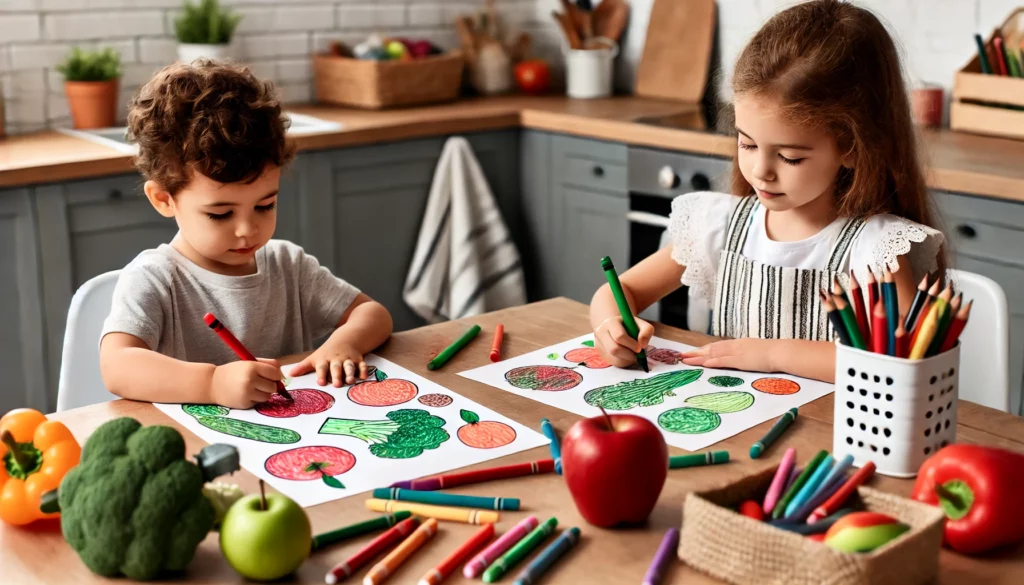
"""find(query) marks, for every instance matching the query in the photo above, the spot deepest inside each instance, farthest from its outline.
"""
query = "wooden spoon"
(610, 18)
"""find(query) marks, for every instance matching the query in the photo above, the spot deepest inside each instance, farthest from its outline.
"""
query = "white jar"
(589, 71)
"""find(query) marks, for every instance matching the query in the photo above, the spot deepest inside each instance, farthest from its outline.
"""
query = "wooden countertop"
(992, 167)
(602, 557)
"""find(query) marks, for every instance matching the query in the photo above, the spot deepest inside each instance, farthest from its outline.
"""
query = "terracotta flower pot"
(93, 104)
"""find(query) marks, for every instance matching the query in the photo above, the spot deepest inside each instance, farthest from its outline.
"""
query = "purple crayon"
(656, 572)
(405, 485)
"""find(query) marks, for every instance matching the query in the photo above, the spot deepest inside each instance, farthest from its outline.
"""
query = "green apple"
(265, 544)
(395, 50)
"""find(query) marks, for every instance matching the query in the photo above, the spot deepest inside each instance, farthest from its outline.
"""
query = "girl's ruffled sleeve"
(887, 237)
(697, 232)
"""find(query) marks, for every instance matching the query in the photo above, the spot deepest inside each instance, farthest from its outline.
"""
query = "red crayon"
(439, 573)
(499, 333)
(237, 347)
(879, 329)
(376, 546)
(482, 475)
(837, 500)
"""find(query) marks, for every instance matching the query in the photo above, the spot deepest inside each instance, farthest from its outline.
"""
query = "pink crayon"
(779, 481)
(477, 564)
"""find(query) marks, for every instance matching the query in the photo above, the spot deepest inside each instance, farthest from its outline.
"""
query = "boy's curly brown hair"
(209, 117)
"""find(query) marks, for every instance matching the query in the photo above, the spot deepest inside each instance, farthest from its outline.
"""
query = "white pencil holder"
(589, 72)
(894, 411)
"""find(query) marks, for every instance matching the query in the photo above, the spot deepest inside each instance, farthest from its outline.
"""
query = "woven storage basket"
(731, 547)
(382, 84)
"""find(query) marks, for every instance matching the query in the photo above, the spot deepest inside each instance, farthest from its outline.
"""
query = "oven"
(656, 177)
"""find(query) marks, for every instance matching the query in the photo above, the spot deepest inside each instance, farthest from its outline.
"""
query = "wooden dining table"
(38, 554)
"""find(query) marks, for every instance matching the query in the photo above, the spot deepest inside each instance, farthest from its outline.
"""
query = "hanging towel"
(465, 261)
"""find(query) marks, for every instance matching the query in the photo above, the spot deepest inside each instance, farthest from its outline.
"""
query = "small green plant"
(83, 65)
(206, 23)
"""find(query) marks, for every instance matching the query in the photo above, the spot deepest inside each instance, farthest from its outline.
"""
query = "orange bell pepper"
(36, 453)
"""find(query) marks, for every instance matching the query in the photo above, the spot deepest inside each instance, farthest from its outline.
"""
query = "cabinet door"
(22, 348)
(537, 244)
(595, 226)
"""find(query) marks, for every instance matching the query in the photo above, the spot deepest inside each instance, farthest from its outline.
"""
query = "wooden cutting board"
(677, 52)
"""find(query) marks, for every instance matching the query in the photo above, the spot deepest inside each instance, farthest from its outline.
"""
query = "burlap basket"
(724, 544)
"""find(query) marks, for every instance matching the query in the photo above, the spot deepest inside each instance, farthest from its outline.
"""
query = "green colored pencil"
(447, 353)
(698, 459)
(520, 550)
(328, 538)
(801, 479)
(850, 320)
(443, 499)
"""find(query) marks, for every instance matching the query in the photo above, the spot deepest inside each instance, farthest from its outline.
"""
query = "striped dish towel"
(465, 261)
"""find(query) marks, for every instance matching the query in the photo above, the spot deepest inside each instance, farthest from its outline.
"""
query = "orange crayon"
(439, 573)
(499, 334)
(389, 564)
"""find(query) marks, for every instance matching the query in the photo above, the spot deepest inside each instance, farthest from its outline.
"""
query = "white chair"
(80, 381)
(985, 342)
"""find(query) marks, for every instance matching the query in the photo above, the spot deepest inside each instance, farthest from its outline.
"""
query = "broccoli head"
(405, 433)
(134, 505)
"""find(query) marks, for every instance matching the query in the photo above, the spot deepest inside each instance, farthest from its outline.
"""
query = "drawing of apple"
(308, 463)
(544, 378)
(588, 357)
(303, 402)
(664, 356)
(382, 391)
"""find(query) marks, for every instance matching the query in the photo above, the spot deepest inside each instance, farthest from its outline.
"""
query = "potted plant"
(204, 30)
(91, 80)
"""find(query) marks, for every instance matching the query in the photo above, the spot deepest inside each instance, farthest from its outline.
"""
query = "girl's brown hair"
(833, 65)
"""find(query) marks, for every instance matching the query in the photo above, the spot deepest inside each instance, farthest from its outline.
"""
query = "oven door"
(648, 223)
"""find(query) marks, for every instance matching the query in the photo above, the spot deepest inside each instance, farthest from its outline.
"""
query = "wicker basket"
(382, 84)
(731, 547)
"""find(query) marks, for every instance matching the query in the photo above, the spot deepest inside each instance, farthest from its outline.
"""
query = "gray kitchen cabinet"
(22, 345)
(539, 246)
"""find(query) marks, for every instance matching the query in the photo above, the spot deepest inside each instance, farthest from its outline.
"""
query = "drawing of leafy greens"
(642, 392)
(406, 433)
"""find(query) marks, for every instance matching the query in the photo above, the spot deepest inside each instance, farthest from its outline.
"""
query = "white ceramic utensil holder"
(894, 411)
(589, 72)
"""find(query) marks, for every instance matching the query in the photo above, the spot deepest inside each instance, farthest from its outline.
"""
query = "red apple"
(615, 475)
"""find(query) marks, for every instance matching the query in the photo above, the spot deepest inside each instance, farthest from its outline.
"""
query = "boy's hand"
(244, 384)
(750, 354)
(339, 363)
(616, 346)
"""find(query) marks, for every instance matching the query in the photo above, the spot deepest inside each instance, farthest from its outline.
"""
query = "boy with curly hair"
(212, 143)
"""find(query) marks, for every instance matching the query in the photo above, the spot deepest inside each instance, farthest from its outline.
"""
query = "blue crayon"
(812, 485)
(553, 444)
(548, 557)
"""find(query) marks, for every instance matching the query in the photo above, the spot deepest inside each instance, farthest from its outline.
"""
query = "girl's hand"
(337, 362)
(244, 384)
(616, 346)
(750, 354)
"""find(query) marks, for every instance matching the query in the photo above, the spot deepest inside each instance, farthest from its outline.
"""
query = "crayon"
(481, 475)
(376, 546)
(982, 56)
(859, 310)
(443, 499)
(553, 444)
(957, 327)
(481, 561)
(793, 474)
(773, 433)
(628, 321)
(917, 303)
(879, 329)
(656, 572)
(394, 559)
(831, 485)
(835, 318)
(441, 572)
(813, 483)
(698, 459)
(450, 514)
(548, 557)
(779, 481)
(456, 346)
(892, 308)
(499, 334)
(805, 475)
(322, 540)
(519, 550)
(844, 310)
(816, 527)
(236, 346)
(839, 498)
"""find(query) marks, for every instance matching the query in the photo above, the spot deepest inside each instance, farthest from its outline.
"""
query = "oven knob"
(700, 182)
(668, 178)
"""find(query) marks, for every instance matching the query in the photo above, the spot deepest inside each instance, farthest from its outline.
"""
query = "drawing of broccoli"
(405, 434)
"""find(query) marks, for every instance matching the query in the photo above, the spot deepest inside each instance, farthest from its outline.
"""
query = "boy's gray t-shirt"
(287, 305)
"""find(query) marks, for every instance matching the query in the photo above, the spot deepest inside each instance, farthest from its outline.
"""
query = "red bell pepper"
(979, 490)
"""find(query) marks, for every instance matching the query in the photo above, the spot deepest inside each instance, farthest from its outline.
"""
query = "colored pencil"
(879, 329)
(389, 564)
(813, 483)
(1013, 63)
(872, 285)
(930, 325)
(499, 335)
(982, 56)
(839, 498)
(902, 340)
(553, 445)
(376, 546)
(957, 327)
(779, 481)
(628, 321)
(933, 293)
(443, 499)
(482, 475)
(456, 346)
(519, 550)
(236, 346)
(656, 572)
(917, 303)
(441, 572)
(1000, 56)
(857, 299)
(698, 459)
(892, 307)
(547, 558)
(477, 564)
(945, 321)
(816, 527)
(835, 480)
(773, 433)
(844, 310)
(322, 540)
(450, 514)
(835, 318)
(798, 484)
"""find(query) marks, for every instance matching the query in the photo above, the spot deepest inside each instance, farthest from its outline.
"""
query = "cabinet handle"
(700, 182)
(966, 231)
(115, 194)
(598, 171)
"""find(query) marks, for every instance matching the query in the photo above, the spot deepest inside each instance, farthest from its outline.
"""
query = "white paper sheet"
(562, 376)
(418, 446)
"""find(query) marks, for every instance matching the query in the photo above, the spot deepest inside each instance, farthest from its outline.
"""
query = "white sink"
(115, 137)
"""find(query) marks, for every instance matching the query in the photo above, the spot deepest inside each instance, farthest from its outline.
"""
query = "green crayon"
(801, 479)
(327, 538)
(520, 550)
(448, 352)
(698, 459)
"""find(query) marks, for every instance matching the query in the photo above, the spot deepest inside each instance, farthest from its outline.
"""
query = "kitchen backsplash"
(277, 36)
